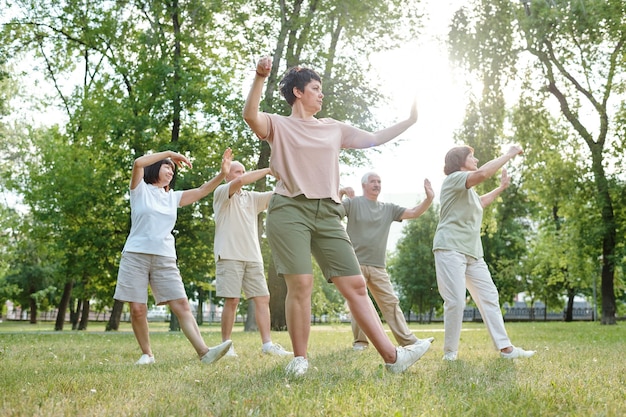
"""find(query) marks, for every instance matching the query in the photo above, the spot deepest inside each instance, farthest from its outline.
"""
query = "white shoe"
(231, 352)
(407, 356)
(449, 356)
(518, 353)
(298, 366)
(277, 350)
(360, 346)
(427, 340)
(145, 359)
(215, 353)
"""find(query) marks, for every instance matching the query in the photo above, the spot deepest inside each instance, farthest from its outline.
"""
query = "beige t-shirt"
(305, 154)
(236, 223)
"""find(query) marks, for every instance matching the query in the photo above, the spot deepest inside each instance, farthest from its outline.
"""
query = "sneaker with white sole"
(360, 346)
(407, 356)
(449, 356)
(231, 352)
(215, 353)
(277, 350)
(145, 359)
(298, 366)
(517, 353)
(427, 340)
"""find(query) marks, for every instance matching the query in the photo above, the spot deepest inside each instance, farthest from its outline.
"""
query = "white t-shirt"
(236, 223)
(153, 214)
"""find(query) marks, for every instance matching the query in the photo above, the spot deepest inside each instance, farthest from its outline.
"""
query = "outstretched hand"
(505, 180)
(227, 158)
(428, 189)
(413, 115)
(264, 66)
(180, 160)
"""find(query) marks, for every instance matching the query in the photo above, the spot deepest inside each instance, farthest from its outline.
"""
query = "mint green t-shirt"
(460, 217)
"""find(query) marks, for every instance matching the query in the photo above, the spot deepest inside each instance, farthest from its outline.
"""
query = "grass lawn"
(579, 370)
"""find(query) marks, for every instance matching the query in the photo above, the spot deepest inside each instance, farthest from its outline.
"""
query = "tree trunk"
(201, 295)
(33, 310)
(75, 312)
(250, 324)
(116, 314)
(84, 316)
(174, 323)
(278, 292)
(569, 310)
(65, 300)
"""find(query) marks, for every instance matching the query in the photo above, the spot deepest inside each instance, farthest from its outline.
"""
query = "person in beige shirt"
(305, 212)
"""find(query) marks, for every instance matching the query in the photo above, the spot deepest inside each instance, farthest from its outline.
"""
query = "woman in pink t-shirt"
(304, 215)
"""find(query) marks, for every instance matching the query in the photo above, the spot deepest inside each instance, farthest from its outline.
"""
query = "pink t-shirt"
(305, 154)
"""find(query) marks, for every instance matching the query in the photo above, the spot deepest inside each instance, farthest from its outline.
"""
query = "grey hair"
(365, 178)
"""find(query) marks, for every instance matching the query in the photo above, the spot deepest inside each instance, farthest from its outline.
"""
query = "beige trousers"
(380, 287)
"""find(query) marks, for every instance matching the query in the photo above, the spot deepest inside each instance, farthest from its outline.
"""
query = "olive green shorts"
(298, 227)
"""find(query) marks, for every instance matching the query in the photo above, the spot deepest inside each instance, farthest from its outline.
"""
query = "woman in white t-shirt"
(149, 255)
(458, 249)
(305, 212)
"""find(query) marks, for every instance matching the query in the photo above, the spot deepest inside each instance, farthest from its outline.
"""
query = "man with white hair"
(238, 259)
(369, 221)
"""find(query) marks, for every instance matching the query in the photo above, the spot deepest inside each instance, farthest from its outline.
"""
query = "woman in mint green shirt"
(459, 253)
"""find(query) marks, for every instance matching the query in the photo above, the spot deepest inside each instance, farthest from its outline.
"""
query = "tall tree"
(577, 48)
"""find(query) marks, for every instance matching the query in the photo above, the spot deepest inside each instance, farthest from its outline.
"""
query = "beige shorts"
(138, 270)
(233, 277)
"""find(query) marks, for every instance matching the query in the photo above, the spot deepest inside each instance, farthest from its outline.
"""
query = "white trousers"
(455, 273)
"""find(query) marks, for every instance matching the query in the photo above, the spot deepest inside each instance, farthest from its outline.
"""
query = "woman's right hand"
(264, 66)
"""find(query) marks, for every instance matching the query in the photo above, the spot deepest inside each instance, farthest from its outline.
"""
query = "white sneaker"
(449, 356)
(298, 366)
(427, 340)
(407, 356)
(145, 359)
(277, 350)
(231, 352)
(518, 353)
(360, 346)
(215, 353)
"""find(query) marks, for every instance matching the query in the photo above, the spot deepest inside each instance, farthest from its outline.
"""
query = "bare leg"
(229, 314)
(298, 311)
(188, 324)
(262, 313)
(139, 322)
(353, 288)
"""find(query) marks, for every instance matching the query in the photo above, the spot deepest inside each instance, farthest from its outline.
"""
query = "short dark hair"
(297, 77)
(455, 158)
(151, 172)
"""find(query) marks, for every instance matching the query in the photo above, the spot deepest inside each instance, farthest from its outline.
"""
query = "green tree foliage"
(575, 52)
(412, 266)
(131, 77)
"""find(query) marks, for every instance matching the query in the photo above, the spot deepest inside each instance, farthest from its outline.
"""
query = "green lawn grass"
(579, 370)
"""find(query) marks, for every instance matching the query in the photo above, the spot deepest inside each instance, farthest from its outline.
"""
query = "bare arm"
(195, 194)
(423, 206)
(247, 178)
(256, 120)
(147, 160)
(385, 135)
(488, 198)
(347, 192)
(491, 167)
